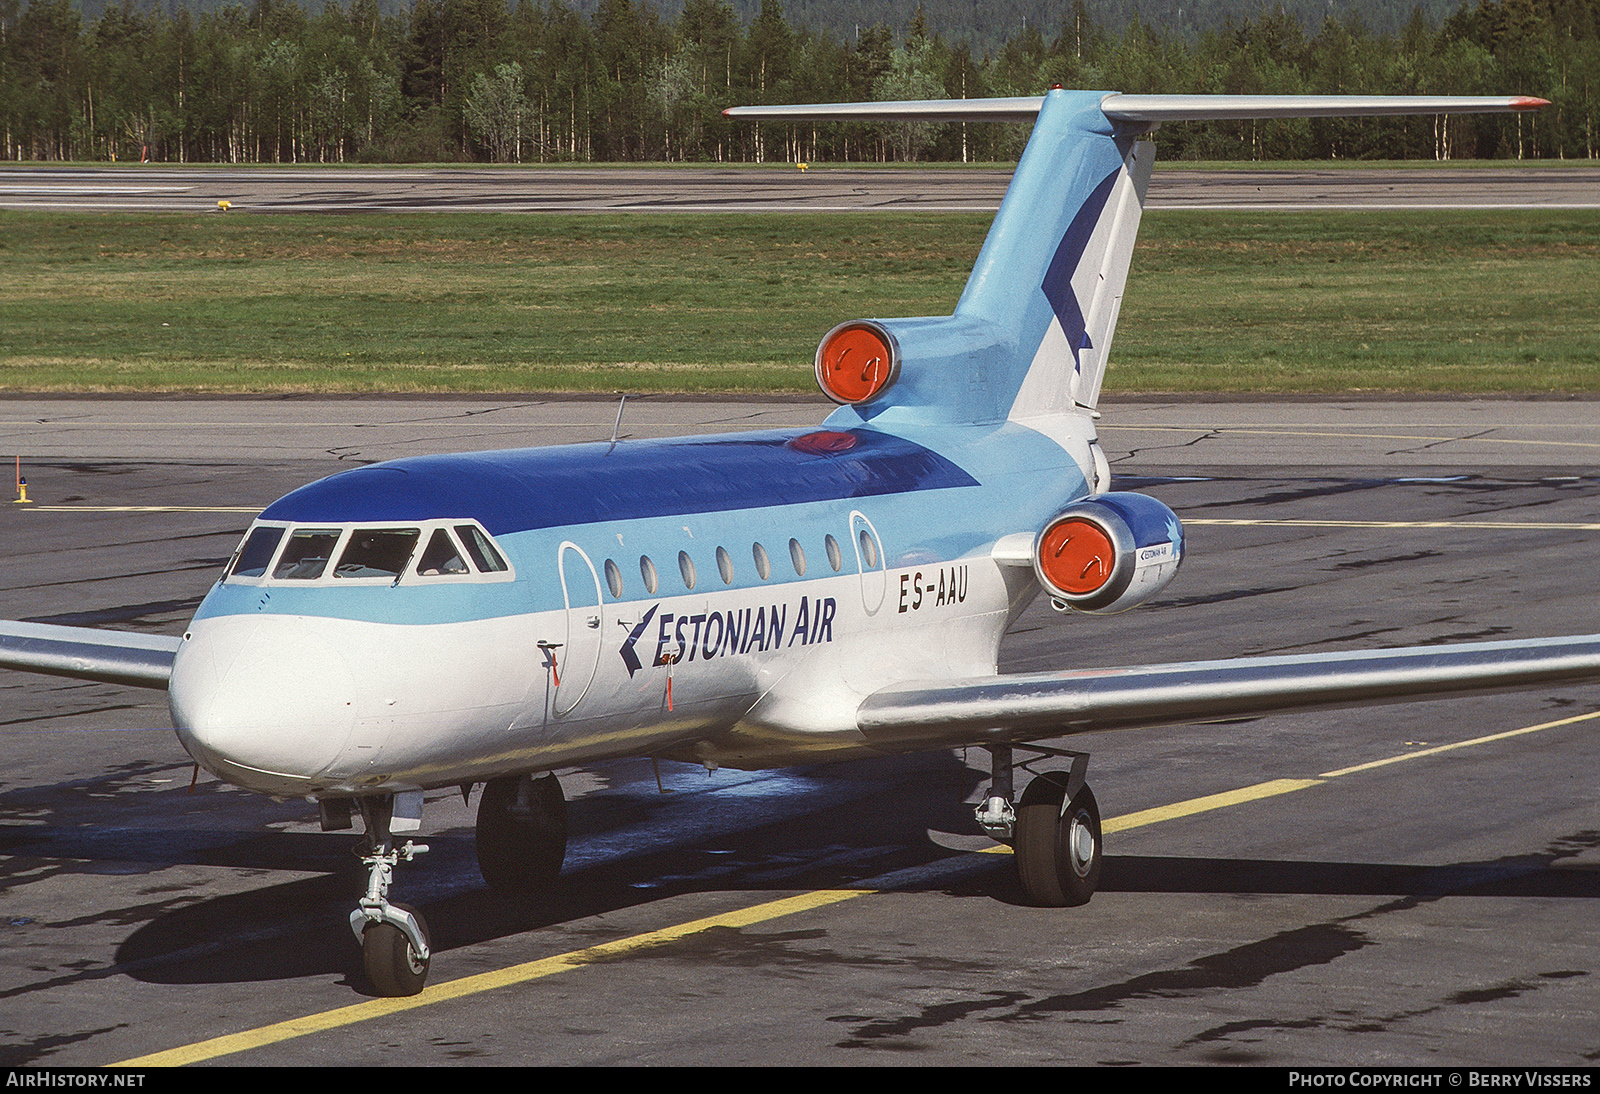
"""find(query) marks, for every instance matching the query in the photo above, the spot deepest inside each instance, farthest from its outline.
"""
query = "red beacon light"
(857, 361)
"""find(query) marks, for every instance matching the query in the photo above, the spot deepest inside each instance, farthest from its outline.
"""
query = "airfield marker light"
(22, 486)
(802, 166)
(224, 206)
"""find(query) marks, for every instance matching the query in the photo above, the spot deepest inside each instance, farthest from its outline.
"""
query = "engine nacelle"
(1108, 553)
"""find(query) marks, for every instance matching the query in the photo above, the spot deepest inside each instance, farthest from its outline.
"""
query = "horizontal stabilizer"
(1031, 706)
(1150, 108)
(1194, 108)
(114, 657)
(1022, 108)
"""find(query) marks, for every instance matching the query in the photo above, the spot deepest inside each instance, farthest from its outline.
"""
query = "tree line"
(476, 80)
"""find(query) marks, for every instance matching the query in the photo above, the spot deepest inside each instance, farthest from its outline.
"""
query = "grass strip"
(1404, 302)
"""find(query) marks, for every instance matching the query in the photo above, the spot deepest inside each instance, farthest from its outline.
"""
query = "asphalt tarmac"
(751, 189)
(1329, 888)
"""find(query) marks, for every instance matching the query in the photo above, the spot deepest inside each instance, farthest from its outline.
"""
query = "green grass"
(1228, 302)
(1363, 301)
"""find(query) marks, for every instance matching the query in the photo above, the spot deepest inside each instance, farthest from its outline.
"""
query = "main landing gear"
(394, 938)
(1054, 829)
(522, 834)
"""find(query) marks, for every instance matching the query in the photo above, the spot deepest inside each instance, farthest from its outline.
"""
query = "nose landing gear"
(1054, 829)
(394, 937)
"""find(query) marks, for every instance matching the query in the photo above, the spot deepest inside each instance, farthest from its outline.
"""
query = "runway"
(1327, 888)
(756, 189)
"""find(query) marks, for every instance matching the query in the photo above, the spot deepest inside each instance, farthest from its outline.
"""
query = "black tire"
(521, 846)
(393, 967)
(1058, 850)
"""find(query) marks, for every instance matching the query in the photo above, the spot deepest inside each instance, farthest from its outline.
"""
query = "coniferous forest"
(480, 80)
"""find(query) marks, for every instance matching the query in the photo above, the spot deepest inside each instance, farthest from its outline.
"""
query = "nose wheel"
(395, 948)
(394, 967)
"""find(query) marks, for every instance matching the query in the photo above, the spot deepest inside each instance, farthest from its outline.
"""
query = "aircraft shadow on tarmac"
(281, 931)
(811, 839)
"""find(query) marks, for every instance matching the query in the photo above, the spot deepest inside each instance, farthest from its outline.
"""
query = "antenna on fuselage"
(617, 425)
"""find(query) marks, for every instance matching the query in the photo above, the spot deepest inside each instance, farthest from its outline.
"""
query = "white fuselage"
(745, 636)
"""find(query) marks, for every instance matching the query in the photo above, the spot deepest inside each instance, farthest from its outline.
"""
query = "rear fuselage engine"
(1108, 553)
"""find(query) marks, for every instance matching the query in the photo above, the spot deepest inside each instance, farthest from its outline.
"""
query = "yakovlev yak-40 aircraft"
(757, 599)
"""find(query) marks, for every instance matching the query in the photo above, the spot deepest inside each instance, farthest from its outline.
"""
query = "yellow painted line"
(488, 981)
(145, 509)
(1460, 744)
(1492, 525)
(1206, 804)
(760, 913)
(1275, 787)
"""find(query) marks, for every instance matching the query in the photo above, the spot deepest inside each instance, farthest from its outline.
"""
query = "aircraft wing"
(114, 657)
(1030, 706)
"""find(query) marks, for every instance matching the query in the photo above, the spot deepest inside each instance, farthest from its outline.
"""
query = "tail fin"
(1052, 271)
(1032, 332)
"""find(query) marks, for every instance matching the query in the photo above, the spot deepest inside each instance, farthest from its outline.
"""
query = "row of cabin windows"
(367, 553)
(763, 563)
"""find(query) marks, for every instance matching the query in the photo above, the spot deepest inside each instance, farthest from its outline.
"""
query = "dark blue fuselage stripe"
(524, 489)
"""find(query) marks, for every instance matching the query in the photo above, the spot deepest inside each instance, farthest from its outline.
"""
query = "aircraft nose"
(264, 702)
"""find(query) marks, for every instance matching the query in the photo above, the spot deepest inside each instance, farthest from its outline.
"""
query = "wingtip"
(1528, 102)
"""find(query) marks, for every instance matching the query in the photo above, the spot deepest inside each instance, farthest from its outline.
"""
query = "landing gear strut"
(1054, 829)
(522, 834)
(394, 938)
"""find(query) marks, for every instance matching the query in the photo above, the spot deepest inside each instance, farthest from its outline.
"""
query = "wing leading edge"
(1031, 706)
(112, 657)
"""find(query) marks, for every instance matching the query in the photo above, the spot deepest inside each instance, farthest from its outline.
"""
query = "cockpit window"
(441, 559)
(306, 554)
(481, 550)
(367, 554)
(377, 552)
(256, 553)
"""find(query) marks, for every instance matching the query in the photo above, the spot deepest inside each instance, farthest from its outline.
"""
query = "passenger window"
(725, 566)
(835, 556)
(441, 559)
(256, 552)
(686, 568)
(306, 554)
(869, 550)
(488, 559)
(614, 579)
(377, 552)
(763, 563)
(798, 557)
(647, 570)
